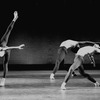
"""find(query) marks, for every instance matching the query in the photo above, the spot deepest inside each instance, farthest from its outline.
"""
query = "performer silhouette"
(78, 63)
(5, 50)
(65, 47)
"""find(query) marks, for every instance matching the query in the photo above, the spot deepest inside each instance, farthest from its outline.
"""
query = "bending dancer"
(5, 50)
(78, 63)
(66, 46)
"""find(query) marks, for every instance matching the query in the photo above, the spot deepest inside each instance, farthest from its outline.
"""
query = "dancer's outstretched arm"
(13, 47)
(86, 42)
(4, 39)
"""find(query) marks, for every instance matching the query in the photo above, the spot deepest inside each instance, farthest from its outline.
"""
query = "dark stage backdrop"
(44, 24)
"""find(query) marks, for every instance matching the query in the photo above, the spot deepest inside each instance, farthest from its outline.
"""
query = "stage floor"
(36, 85)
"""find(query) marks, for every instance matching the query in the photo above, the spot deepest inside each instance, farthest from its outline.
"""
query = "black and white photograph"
(49, 50)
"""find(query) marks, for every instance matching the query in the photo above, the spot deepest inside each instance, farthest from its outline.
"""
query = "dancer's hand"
(15, 15)
(20, 47)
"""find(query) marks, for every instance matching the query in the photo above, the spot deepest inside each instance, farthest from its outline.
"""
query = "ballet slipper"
(97, 84)
(63, 86)
(15, 16)
(2, 82)
(52, 77)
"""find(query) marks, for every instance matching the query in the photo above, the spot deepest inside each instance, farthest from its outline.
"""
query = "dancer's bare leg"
(5, 66)
(62, 52)
(75, 65)
(86, 75)
(4, 39)
(60, 57)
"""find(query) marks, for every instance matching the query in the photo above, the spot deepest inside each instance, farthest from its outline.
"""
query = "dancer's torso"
(69, 43)
(85, 50)
(2, 53)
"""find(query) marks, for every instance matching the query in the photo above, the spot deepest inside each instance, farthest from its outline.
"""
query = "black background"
(43, 24)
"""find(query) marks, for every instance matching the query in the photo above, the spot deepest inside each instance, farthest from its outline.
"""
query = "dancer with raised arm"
(65, 47)
(78, 63)
(5, 50)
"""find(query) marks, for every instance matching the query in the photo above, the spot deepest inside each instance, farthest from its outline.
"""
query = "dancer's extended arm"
(13, 47)
(86, 42)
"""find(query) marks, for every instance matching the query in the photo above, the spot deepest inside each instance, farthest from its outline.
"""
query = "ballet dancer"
(5, 50)
(78, 64)
(63, 50)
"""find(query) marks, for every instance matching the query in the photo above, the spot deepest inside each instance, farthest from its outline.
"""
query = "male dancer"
(5, 50)
(63, 50)
(78, 63)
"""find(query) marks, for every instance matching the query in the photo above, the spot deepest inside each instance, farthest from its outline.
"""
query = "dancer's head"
(96, 46)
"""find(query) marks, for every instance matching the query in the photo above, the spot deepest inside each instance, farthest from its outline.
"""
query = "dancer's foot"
(63, 86)
(97, 84)
(15, 16)
(2, 82)
(52, 77)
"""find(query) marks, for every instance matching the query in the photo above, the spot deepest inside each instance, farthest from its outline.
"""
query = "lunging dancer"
(63, 50)
(5, 50)
(78, 63)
